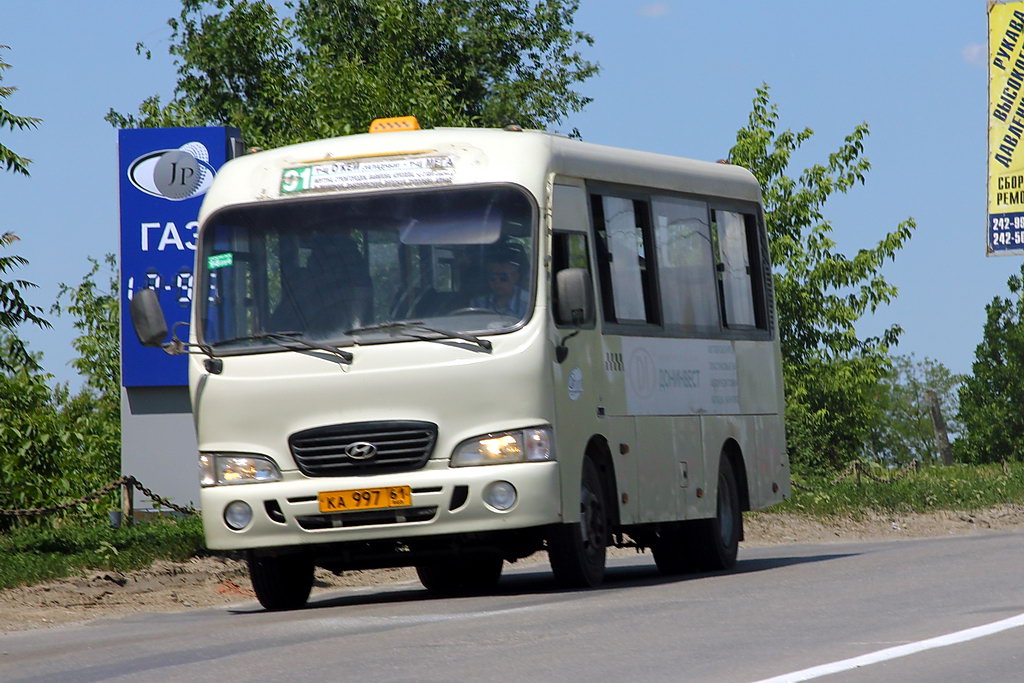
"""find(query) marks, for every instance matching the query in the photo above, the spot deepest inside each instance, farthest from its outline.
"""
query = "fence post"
(127, 502)
(939, 424)
(856, 470)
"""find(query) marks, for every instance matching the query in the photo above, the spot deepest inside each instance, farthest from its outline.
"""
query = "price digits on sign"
(180, 286)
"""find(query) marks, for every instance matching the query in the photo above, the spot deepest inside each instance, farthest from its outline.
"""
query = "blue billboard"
(164, 174)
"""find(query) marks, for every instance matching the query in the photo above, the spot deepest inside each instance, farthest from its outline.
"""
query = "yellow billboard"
(1005, 232)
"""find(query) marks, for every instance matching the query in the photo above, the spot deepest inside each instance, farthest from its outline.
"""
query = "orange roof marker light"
(394, 124)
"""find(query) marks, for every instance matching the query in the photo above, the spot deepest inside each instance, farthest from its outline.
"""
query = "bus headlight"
(523, 445)
(218, 469)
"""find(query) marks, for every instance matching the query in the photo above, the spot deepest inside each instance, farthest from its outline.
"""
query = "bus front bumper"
(444, 501)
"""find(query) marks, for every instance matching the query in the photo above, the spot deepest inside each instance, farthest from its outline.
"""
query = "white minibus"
(454, 348)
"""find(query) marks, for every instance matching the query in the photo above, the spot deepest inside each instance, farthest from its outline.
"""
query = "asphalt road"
(784, 609)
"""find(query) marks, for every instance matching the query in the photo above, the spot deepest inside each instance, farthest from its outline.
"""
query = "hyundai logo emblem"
(361, 450)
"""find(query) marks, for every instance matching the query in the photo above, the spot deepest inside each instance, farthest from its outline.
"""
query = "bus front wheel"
(577, 550)
(281, 581)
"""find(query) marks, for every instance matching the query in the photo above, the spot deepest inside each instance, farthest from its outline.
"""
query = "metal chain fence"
(127, 482)
(856, 469)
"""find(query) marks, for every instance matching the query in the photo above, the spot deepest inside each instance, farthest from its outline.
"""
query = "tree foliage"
(831, 372)
(331, 66)
(992, 398)
(55, 445)
(14, 309)
(11, 161)
(906, 432)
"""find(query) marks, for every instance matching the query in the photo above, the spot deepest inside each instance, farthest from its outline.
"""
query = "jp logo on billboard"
(174, 174)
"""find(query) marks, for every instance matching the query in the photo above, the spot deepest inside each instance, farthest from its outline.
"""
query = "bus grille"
(363, 448)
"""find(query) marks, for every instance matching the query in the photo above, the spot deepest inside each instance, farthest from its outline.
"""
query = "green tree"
(32, 435)
(55, 446)
(831, 373)
(992, 397)
(906, 432)
(332, 66)
(11, 161)
(97, 318)
(14, 310)
(94, 414)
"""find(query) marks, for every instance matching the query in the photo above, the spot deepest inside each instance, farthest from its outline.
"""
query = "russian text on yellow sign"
(1006, 108)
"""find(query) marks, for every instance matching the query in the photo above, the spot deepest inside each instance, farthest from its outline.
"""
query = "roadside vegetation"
(33, 553)
(961, 487)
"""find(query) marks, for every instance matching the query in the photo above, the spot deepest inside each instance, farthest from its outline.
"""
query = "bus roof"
(473, 155)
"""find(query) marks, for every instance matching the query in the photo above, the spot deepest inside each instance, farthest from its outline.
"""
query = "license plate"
(365, 499)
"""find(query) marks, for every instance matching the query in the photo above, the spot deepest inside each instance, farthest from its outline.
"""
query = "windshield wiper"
(280, 338)
(411, 325)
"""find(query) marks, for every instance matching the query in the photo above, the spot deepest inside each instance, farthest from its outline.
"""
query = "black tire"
(281, 581)
(467, 575)
(716, 541)
(577, 551)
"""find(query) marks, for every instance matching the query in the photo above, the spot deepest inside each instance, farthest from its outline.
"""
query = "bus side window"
(686, 271)
(626, 259)
(738, 263)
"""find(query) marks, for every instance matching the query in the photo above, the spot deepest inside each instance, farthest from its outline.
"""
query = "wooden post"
(127, 503)
(939, 424)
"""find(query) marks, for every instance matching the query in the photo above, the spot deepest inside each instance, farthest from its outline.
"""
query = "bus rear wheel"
(281, 581)
(716, 541)
(577, 551)
(461, 575)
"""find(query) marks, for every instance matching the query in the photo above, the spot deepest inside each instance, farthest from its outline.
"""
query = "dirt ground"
(212, 581)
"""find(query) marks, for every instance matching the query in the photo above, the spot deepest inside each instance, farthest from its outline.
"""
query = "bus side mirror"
(575, 296)
(148, 318)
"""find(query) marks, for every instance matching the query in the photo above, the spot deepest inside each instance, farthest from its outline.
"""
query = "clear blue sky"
(677, 77)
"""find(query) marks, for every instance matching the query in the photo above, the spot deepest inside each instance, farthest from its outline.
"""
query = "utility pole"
(939, 424)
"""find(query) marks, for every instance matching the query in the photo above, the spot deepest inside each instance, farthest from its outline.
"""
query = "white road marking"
(899, 651)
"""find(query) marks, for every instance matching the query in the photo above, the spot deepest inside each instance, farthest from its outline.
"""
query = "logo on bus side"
(643, 373)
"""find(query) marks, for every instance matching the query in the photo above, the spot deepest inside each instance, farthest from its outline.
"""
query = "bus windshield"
(346, 269)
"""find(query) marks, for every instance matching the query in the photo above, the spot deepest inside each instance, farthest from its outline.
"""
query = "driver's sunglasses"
(502, 277)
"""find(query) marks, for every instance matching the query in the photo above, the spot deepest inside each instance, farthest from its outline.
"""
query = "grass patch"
(31, 554)
(959, 487)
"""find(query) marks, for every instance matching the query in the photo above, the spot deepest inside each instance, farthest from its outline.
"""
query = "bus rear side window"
(738, 262)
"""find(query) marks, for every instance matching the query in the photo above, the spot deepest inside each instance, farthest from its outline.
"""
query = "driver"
(503, 272)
